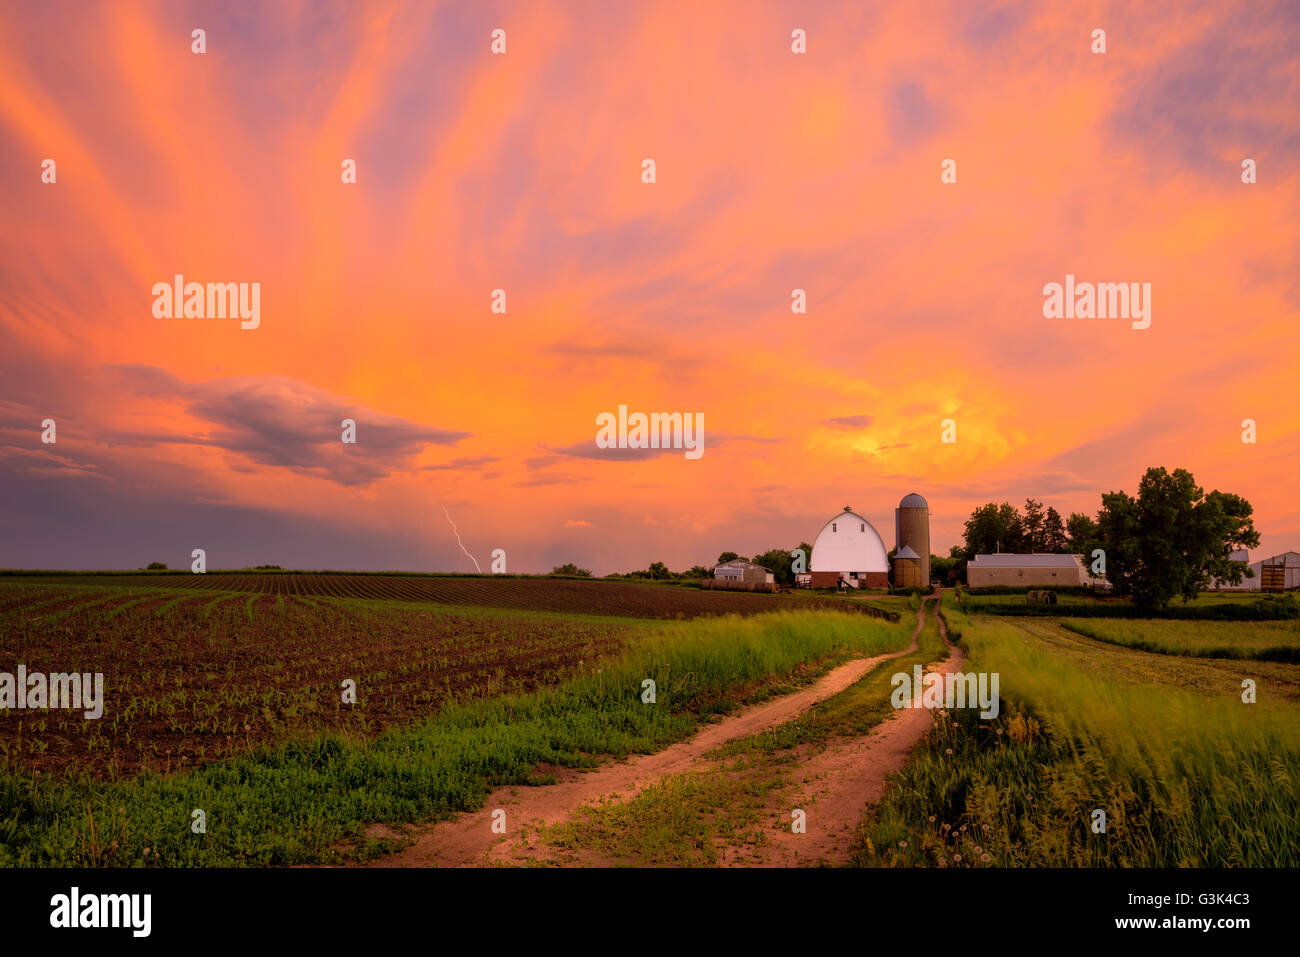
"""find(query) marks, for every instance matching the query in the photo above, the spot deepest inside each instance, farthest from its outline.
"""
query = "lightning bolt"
(459, 542)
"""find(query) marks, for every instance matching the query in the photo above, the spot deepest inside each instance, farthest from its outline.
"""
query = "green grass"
(682, 820)
(1186, 777)
(306, 801)
(1254, 640)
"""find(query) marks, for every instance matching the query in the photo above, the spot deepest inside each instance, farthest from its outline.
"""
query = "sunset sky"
(522, 171)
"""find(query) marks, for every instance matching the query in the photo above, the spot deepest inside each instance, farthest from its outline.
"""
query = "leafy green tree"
(949, 570)
(1082, 532)
(697, 571)
(658, 571)
(157, 566)
(778, 562)
(1055, 541)
(727, 557)
(1173, 539)
(568, 568)
(1032, 524)
(993, 528)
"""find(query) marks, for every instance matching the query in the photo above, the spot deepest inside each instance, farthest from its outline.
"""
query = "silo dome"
(913, 501)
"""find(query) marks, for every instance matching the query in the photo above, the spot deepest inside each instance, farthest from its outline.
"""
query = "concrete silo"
(912, 538)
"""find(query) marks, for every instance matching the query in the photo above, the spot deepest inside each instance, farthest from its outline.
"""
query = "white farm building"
(848, 551)
(1026, 570)
(1273, 574)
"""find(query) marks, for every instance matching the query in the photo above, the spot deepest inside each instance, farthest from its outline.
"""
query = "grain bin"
(912, 531)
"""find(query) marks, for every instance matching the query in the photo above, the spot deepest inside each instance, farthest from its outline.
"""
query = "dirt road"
(469, 840)
(838, 783)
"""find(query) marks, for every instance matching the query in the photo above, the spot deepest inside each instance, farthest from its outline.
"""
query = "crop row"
(193, 676)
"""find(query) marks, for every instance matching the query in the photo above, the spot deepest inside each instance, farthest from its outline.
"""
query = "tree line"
(778, 561)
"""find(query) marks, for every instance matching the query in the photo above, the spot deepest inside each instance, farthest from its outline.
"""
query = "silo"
(907, 569)
(912, 530)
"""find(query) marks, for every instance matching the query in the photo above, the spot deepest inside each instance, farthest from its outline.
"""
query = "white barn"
(849, 550)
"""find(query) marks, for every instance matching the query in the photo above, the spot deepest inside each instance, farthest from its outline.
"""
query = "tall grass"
(1184, 779)
(1255, 641)
(297, 802)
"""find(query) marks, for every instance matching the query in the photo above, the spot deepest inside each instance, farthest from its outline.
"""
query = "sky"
(522, 171)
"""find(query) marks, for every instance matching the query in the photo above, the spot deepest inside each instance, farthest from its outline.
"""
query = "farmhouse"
(848, 552)
(1025, 570)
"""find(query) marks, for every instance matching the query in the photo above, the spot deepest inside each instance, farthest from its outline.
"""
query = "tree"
(727, 557)
(1054, 537)
(1082, 532)
(777, 561)
(568, 568)
(949, 570)
(157, 566)
(658, 571)
(781, 564)
(1033, 526)
(698, 571)
(992, 528)
(1173, 539)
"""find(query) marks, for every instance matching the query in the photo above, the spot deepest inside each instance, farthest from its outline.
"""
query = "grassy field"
(229, 703)
(1256, 640)
(308, 797)
(1185, 771)
(1222, 606)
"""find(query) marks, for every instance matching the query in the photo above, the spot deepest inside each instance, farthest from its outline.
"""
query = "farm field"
(568, 596)
(1186, 772)
(230, 703)
(1257, 640)
(194, 676)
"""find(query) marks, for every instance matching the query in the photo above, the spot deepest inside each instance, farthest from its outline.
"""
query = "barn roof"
(1286, 558)
(742, 562)
(1007, 560)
